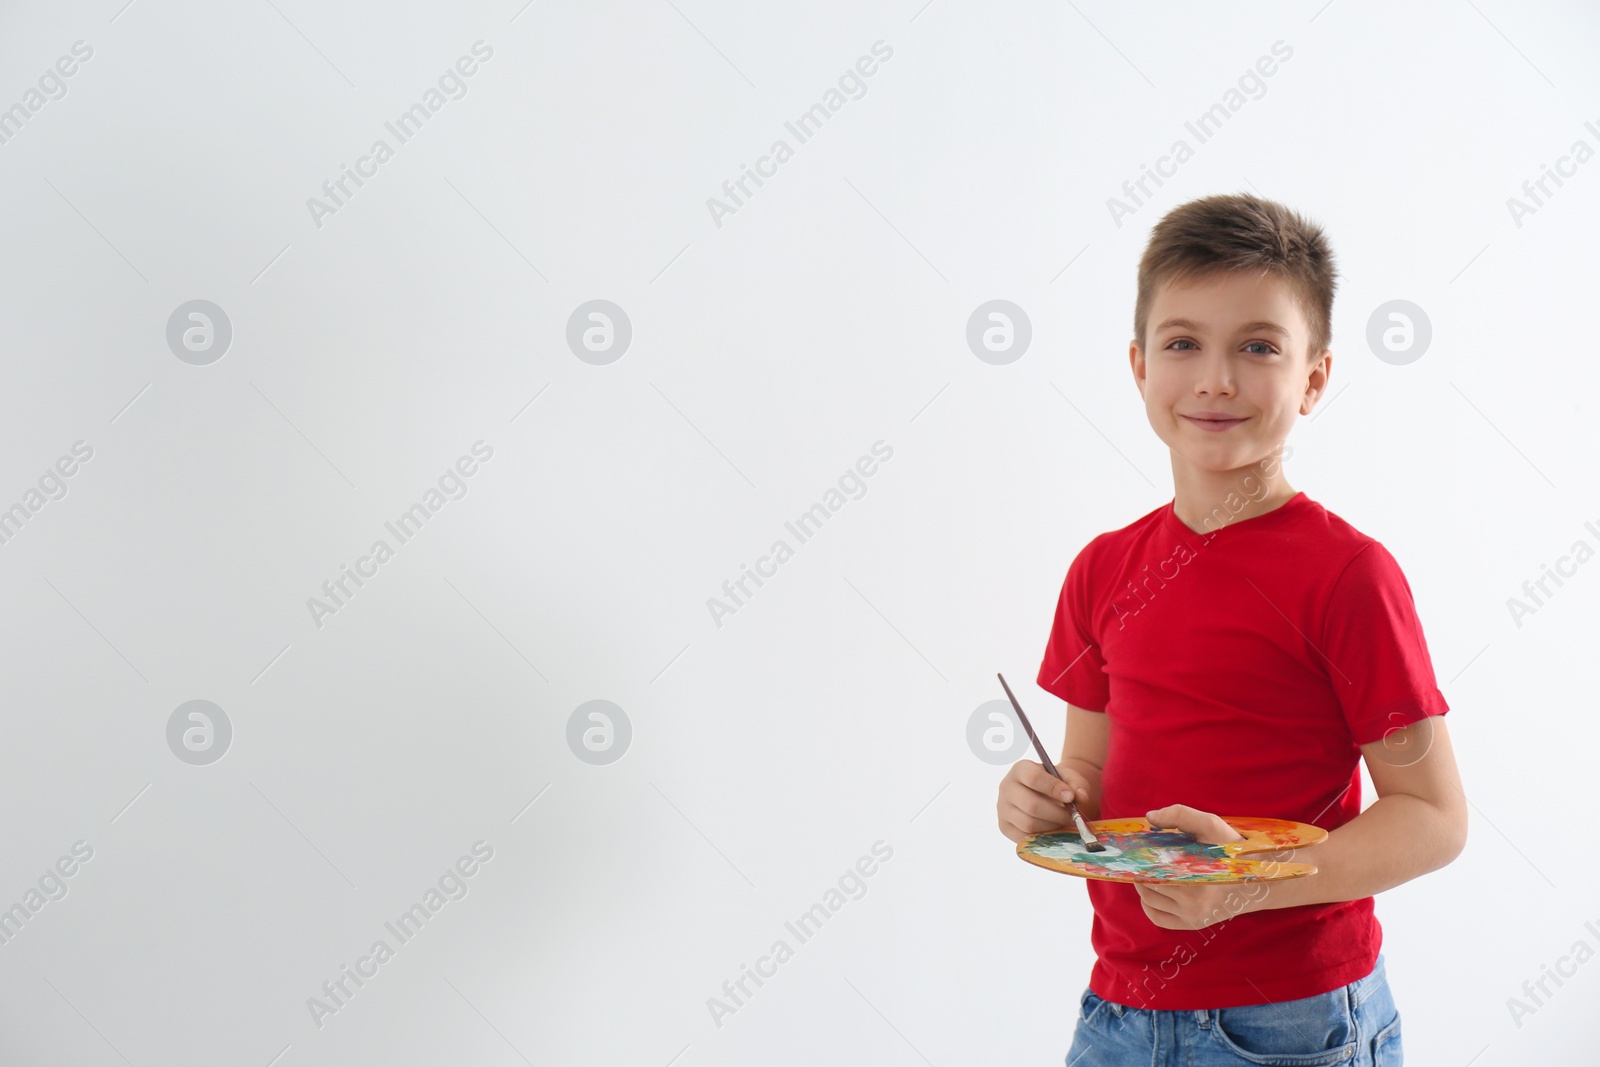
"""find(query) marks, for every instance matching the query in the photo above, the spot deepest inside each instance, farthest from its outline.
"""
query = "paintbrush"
(1090, 842)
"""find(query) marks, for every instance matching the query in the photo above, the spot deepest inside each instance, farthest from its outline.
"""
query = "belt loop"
(1203, 1018)
(1362, 988)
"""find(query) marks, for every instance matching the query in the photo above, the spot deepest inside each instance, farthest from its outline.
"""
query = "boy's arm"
(1418, 824)
(1084, 750)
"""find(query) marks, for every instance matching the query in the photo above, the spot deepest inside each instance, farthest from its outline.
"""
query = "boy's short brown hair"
(1241, 232)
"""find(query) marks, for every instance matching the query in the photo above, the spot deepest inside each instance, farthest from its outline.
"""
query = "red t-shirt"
(1241, 668)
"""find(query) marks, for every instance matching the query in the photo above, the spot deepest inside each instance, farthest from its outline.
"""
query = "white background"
(828, 312)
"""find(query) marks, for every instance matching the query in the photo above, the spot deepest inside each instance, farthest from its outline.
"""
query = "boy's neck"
(1201, 495)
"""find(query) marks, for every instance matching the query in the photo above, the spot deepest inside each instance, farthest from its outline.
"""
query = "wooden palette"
(1137, 853)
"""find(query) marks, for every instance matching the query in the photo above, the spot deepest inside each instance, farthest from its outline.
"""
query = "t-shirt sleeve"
(1073, 668)
(1373, 649)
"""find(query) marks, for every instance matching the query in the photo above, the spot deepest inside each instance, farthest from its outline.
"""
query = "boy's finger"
(1044, 808)
(1206, 827)
(1031, 821)
(1054, 788)
(1064, 793)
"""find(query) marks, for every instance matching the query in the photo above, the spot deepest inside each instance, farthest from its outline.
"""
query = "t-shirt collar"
(1287, 510)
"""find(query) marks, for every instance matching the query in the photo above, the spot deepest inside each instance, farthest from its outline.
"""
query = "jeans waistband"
(1357, 992)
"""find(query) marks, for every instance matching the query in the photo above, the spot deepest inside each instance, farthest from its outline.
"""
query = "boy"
(1235, 652)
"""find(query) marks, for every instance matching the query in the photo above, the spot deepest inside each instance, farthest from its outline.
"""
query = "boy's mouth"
(1213, 423)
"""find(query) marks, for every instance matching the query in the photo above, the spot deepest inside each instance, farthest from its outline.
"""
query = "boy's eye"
(1253, 344)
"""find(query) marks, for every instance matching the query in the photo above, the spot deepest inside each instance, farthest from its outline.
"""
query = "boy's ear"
(1317, 381)
(1136, 361)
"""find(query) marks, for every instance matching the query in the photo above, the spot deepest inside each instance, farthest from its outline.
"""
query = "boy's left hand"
(1191, 907)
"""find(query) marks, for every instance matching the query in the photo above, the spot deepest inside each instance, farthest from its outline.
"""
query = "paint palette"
(1136, 853)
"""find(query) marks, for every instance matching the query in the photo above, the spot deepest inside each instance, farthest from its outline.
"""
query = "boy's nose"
(1215, 378)
(1214, 387)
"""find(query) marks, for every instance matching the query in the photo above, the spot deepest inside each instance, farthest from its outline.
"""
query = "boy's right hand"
(1034, 802)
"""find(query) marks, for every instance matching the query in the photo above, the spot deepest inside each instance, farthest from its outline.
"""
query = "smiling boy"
(1238, 651)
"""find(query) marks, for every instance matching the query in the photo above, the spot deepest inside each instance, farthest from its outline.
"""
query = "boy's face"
(1220, 359)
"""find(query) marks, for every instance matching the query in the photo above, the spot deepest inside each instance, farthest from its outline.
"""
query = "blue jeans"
(1355, 1025)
